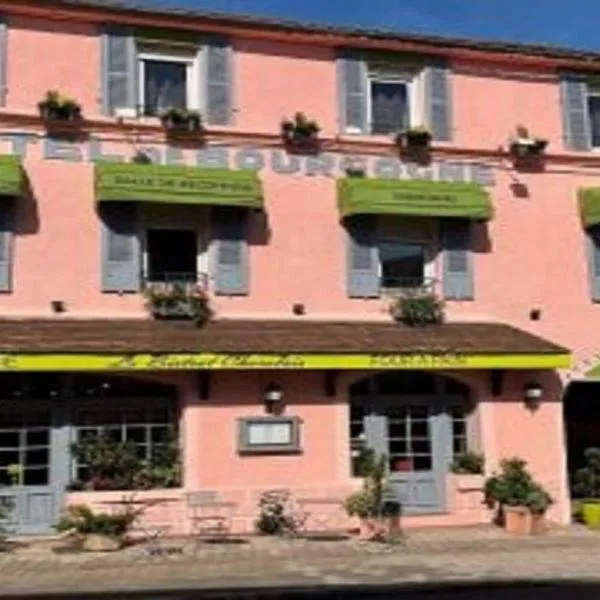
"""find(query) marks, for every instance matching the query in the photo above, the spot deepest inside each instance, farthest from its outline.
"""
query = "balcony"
(408, 286)
(178, 296)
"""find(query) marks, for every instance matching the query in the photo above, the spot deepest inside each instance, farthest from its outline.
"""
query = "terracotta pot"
(94, 542)
(519, 520)
(375, 527)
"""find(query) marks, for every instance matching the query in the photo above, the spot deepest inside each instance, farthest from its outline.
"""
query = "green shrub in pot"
(587, 486)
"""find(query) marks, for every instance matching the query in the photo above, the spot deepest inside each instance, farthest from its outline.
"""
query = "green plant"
(179, 119)
(368, 501)
(57, 107)
(515, 486)
(418, 137)
(418, 308)
(471, 463)
(526, 145)
(300, 130)
(277, 516)
(84, 521)
(15, 472)
(587, 479)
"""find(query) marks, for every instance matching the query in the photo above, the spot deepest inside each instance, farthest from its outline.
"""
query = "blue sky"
(570, 23)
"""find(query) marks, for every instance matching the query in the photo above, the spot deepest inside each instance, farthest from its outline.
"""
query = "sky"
(569, 23)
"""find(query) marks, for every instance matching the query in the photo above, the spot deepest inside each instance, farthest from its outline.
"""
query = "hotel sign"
(250, 158)
(283, 361)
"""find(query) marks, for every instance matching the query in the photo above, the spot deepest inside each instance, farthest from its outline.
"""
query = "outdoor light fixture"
(533, 393)
(273, 395)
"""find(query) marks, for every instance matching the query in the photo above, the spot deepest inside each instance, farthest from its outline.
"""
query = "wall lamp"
(272, 396)
(532, 394)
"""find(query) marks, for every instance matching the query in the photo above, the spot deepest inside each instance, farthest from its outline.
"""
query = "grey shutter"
(121, 253)
(352, 92)
(363, 261)
(457, 261)
(593, 253)
(3, 56)
(7, 211)
(119, 70)
(230, 251)
(576, 121)
(439, 101)
(219, 71)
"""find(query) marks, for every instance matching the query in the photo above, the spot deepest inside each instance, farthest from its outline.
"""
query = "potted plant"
(414, 138)
(521, 501)
(523, 145)
(587, 485)
(99, 532)
(178, 301)
(418, 308)
(379, 518)
(468, 463)
(300, 132)
(277, 515)
(55, 107)
(180, 120)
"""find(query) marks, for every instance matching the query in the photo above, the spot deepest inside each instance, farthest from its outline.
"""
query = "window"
(172, 255)
(389, 105)
(459, 430)
(402, 265)
(594, 113)
(269, 435)
(167, 81)
(148, 424)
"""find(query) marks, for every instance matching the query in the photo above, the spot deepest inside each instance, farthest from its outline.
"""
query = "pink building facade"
(302, 252)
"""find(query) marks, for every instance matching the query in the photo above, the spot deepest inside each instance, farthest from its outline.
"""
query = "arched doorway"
(418, 420)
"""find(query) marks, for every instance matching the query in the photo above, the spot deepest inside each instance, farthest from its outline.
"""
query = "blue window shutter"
(3, 58)
(352, 92)
(219, 81)
(230, 251)
(593, 254)
(121, 252)
(7, 214)
(119, 70)
(455, 236)
(439, 101)
(576, 121)
(363, 258)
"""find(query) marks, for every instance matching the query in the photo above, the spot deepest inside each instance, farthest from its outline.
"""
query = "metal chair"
(210, 517)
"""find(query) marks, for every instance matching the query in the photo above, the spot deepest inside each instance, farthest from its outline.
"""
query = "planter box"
(94, 542)
(414, 141)
(182, 125)
(519, 520)
(590, 512)
(527, 148)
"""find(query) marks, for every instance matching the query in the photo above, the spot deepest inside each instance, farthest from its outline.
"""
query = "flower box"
(527, 147)
(415, 139)
(178, 301)
(300, 133)
(182, 121)
(55, 108)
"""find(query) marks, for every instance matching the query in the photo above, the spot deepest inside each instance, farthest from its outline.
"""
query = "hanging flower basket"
(176, 120)
(524, 145)
(414, 139)
(300, 133)
(178, 301)
(57, 108)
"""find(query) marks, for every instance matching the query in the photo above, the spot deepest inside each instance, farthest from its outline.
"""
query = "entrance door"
(418, 433)
(26, 456)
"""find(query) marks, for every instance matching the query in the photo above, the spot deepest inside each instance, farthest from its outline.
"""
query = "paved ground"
(431, 556)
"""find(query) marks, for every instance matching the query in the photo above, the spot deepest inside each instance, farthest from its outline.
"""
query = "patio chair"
(209, 515)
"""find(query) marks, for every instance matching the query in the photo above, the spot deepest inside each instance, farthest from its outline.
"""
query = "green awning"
(11, 175)
(413, 198)
(177, 185)
(589, 206)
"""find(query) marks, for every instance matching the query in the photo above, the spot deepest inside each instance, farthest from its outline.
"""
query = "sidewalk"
(431, 556)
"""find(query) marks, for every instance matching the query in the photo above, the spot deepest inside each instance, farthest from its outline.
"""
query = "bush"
(587, 479)
(514, 486)
(85, 522)
(468, 463)
(276, 514)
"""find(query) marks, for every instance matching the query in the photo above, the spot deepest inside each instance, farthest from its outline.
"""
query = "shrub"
(418, 308)
(85, 522)
(587, 479)
(276, 514)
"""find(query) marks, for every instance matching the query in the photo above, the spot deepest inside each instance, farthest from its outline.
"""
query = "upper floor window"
(593, 106)
(383, 96)
(167, 81)
(149, 75)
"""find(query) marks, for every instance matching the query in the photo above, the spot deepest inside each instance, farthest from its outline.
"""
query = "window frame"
(593, 90)
(291, 447)
(193, 100)
(396, 74)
